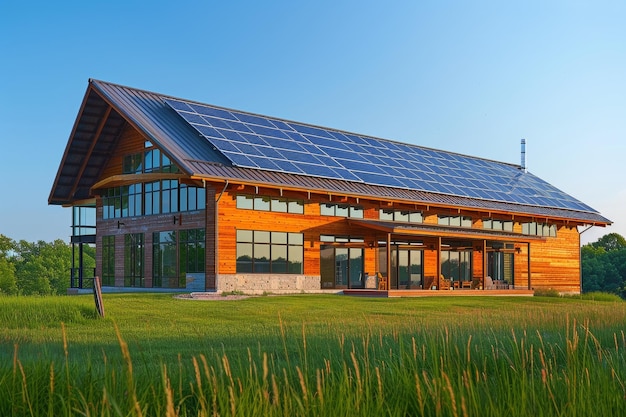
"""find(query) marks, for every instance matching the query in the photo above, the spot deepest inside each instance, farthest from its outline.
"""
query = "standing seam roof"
(203, 154)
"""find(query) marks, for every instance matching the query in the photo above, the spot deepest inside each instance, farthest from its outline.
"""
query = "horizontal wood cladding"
(131, 141)
(554, 261)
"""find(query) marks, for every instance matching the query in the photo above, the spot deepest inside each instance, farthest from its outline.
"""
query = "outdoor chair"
(382, 282)
(444, 284)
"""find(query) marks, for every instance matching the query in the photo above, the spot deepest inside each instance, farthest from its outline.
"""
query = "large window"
(164, 261)
(108, 260)
(83, 220)
(270, 252)
(264, 203)
(341, 210)
(166, 196)
(156, 197)
(456, 265)
(192, 250)
(176, 255)
(133, 260)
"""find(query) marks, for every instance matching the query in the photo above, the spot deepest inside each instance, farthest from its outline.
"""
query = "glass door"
(341, 267)
(406, 269)
(500, 266)
(355, 268)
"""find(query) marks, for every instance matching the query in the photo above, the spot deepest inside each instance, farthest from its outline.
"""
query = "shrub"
(546, 292)
(601, 296)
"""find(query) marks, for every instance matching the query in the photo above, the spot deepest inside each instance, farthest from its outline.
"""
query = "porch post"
(528, 265)
(485, 266)
(439, 263)
(388, 261)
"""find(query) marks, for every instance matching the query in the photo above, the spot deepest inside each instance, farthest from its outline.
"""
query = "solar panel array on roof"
(253, 141)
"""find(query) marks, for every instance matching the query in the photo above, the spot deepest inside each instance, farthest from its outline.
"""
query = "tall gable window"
(150, 160)
(144, 199)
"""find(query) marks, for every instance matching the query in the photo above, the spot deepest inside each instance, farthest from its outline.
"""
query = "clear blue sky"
(469, 77)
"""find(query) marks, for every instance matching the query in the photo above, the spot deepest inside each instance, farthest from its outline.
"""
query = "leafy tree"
(43, 268)
(6, 245)
(604, 265)
(8, 283)
(610, 242)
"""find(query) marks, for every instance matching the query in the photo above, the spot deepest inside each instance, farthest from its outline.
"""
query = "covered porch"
(428, 259)
(375, 293)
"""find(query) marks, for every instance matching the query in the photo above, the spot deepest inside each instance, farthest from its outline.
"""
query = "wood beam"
(94, 141)
(127, 179)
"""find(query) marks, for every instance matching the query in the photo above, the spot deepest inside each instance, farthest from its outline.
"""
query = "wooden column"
(528, 266)
(388, 260)
(438, 263)
(485, 266)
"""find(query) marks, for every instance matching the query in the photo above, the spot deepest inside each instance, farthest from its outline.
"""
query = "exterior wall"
(132, 142)
(260, 283)
(146, 225)
(554, 262)
(311, 224)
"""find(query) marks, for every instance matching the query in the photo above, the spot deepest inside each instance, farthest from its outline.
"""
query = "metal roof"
(107, 108)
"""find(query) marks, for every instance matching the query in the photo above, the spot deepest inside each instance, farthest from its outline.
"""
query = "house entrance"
(500, 266)
(406, 266)
(341, 263)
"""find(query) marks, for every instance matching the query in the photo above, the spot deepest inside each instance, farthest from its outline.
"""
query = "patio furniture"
(429, 281)
(382, 282)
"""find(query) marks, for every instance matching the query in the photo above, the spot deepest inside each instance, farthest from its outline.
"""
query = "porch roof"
(435, 230)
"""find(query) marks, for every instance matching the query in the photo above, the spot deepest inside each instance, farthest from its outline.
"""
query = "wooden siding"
(131, 142)
(554, 260)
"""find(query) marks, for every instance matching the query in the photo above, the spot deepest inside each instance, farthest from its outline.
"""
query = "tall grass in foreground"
(445, 370)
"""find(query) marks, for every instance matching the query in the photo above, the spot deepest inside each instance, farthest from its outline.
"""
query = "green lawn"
(320, 355)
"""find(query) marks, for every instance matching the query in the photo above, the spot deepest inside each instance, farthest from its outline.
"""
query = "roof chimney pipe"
(523, 164)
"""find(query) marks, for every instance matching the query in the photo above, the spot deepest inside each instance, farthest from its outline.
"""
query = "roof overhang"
(432, 230)
(212, 172)
(128, 179)
(94, 135)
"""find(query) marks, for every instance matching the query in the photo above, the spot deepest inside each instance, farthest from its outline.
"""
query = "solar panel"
(259, 142)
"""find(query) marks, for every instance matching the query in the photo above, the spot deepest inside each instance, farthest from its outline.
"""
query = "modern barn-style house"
(178, 194)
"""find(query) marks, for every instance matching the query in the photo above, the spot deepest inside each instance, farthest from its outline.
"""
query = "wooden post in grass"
(97, 295)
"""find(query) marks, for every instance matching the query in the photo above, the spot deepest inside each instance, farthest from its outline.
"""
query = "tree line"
(604, 265)
(43, 268)
(37, 268)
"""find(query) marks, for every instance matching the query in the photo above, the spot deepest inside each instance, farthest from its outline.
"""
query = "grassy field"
(312, 355)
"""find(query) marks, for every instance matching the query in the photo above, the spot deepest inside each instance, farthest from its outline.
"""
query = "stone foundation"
(268, 283)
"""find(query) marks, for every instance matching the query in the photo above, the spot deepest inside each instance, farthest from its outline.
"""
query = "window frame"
(260, 246)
